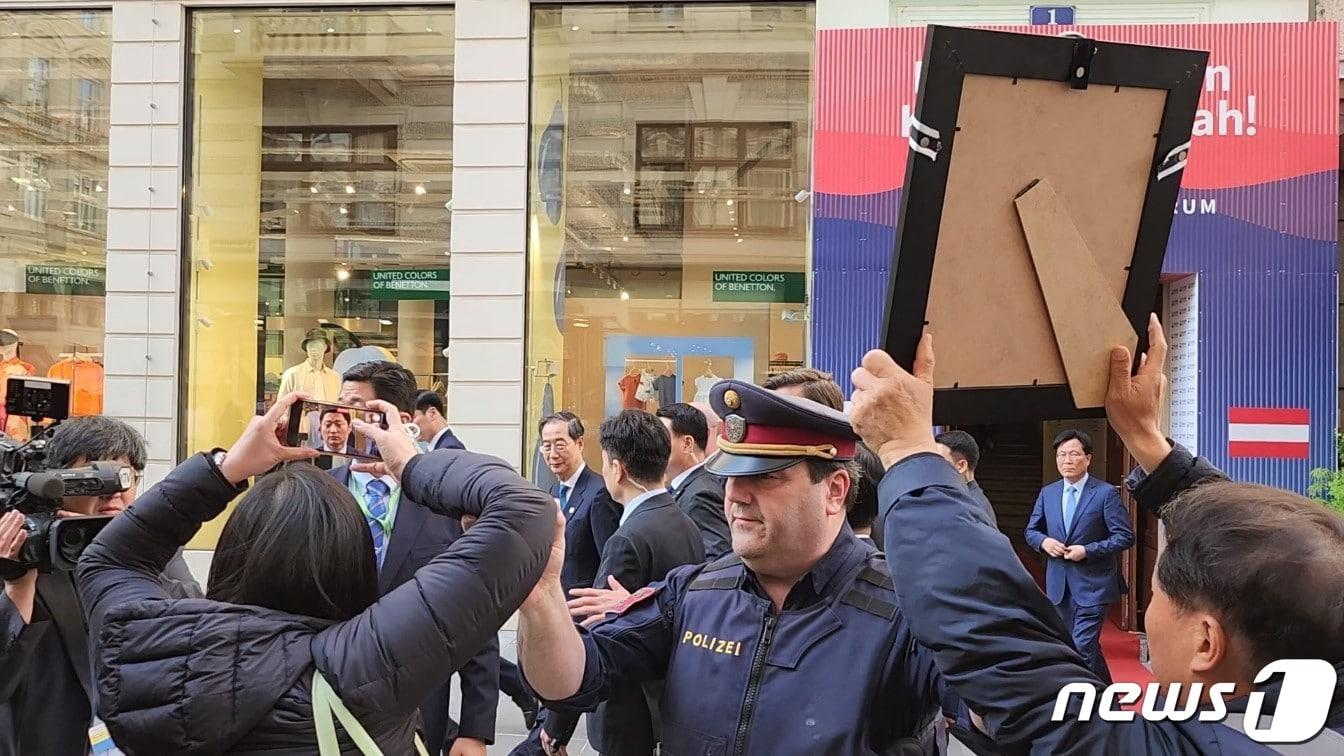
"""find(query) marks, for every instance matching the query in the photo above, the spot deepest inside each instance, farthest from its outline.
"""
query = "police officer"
(792, 644)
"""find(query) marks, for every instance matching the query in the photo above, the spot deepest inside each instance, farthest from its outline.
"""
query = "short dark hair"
(963, 445)
(573, 425)
(1070, 435)
(334, 411)
(276, 550)
(427, 399)
(391, 382)
(687, 421)
(817, 385)
(820, 469)
(1267, 561)
(864, 511)
(640, 442)
(94, 438)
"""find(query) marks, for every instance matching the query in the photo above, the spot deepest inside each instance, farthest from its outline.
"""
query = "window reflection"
(677, 256)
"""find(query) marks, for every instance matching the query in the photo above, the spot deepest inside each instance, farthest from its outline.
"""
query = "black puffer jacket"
(204, 677)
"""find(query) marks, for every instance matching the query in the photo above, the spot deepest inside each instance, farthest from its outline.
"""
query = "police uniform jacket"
(836, 672)
(1001, 645)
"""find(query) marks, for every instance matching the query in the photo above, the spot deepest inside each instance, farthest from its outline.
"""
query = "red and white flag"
(1268, 432)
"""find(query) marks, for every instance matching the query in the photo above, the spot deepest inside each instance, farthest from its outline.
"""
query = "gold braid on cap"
(827, 451)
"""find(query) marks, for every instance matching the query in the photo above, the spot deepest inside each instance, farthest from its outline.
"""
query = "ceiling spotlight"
(739, 240)
(627, 189)
(350, 189)
(419, 188)
(580, 324)
(625, 294)
(330, 30)
(98, 187)
(10, 208)
(342, 274)
(729, 203)
(321, 321)
(313, 188)
(344, 211)
(204, 322)
(575, 27)
(429, 28)
(237, 31)
(625, 238)
(385, 321)
(702, 191)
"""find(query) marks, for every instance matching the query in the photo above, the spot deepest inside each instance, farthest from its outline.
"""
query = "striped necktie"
(375, 498)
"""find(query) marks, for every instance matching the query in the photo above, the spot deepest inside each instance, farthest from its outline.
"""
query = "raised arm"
(395, 652)
(125, 561)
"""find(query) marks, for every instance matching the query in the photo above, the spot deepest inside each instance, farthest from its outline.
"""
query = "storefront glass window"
(53, 209)
(320, 186)
(668, 249)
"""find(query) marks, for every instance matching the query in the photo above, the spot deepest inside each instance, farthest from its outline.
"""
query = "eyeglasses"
(1069, 455)
(557, 446)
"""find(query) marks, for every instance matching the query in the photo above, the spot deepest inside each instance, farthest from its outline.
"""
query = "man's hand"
(549, 747)
(893, 409)
(550, 577)
(1053, 548)
(1134, 404)
(467, 747)
(262, 447)
(592, 604)
(1075, 553)
(395, 445)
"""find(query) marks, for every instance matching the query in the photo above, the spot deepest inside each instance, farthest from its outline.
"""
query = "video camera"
(28, 484)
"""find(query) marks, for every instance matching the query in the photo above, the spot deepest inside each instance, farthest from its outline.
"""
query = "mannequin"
(15, 426)
(312, 376)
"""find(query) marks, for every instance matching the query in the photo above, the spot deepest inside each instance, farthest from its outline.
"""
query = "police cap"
(764, 431)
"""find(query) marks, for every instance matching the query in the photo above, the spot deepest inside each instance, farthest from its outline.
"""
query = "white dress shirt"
(635, 502)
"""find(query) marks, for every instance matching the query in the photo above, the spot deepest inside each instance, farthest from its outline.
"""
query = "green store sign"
(66, 280)
(410, 283)
(759, 286)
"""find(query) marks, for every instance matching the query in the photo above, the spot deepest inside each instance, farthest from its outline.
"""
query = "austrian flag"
(1268, 432)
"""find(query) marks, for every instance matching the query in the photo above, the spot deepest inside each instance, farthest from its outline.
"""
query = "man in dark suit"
(699, 494)
(655, 536)
(591, 517)
(960, 448)
(590, 514)
(1080, 523)
(406, 536)
(45, 669)
(432, 420)
(333, 438)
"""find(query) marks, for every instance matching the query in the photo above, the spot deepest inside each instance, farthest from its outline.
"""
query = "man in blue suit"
(1080, 524)
(406, 536)
(431, 418)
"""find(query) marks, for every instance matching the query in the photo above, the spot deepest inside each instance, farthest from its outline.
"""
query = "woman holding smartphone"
(293, 599)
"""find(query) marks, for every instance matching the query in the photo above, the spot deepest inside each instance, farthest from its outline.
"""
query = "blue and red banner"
(1256, 222)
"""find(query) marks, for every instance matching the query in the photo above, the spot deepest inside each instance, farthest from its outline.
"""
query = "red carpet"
(1121, 650)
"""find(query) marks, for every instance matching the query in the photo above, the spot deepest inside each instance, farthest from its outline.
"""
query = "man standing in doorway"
(1080, 524)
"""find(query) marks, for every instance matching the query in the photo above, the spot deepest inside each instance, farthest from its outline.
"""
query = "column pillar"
(489, 258)
(144, 225)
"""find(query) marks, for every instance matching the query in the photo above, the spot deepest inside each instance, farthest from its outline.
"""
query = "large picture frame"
(1103, 130)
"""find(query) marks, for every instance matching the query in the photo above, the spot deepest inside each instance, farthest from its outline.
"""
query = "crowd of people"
(764, 574)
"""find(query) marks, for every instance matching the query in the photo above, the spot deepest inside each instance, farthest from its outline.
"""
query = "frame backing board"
(996, 112)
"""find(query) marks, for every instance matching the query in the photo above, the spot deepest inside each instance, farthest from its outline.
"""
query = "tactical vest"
(744, 680)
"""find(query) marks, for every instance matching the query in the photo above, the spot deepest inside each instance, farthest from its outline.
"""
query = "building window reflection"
(667, 250)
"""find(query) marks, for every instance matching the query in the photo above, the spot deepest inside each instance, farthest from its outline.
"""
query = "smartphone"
(331, 429)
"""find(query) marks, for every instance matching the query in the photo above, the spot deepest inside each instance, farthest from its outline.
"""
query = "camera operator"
(45, 674)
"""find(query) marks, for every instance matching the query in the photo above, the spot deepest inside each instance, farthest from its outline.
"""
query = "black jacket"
(419, 535)
(590, 519)
(700, 496)
(978, 495)
(241, 675)
(998, 641)
(46, 678)
(657, 538)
